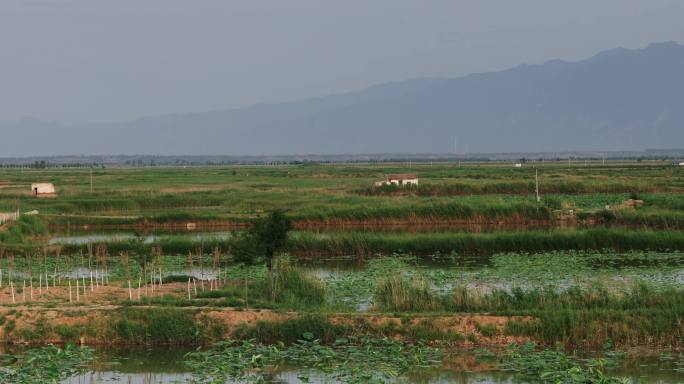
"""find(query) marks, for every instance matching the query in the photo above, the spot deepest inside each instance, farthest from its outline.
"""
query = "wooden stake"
(145, 276)
(70, 298)
(159, 263)
(2, 254)
(106, 266)
(12, 289)
(57, 276)
(90, 265)
(536, 184)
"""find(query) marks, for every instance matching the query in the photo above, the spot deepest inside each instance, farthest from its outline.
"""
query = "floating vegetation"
(617, 272)
(555, 367)
(347, 360)
(48, 364)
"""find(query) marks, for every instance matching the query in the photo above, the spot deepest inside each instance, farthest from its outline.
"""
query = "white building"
(42, 189)
(399, 179)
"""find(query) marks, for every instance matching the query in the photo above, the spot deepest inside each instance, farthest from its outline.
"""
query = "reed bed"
(584, 317)
(366, 243)
(309, 244)
(516, 188)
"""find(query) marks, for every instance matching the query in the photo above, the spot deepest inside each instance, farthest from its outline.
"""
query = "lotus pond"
(345, 361)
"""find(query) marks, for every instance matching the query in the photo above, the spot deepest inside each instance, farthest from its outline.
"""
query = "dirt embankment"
(98, 318)
(93, 325)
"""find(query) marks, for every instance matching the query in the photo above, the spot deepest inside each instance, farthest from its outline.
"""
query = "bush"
(397, 293)
(295, 289)
(157, 326)
(291, 330)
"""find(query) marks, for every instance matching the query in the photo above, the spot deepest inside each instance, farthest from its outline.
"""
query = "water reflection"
(165, 366)
(86, 238)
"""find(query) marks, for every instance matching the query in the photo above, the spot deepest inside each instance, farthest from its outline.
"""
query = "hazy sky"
(96, 60)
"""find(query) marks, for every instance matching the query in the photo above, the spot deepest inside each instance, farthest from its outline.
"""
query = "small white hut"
(401, 179)
(42, 189)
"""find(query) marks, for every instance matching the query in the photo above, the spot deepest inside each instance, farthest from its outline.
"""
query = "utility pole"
(536, 184)
(91, 179)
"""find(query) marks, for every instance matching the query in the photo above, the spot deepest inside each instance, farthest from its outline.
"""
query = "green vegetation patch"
(48, 364)
(347, 360)
(157, 326)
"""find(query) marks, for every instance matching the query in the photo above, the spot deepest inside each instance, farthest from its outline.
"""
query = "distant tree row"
(42, 164)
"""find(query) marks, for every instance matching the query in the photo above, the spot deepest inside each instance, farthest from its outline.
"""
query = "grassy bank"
(577, 317)
(517, 188)
(484, 243)
(19, 231)
(307, 244)
(135, 196)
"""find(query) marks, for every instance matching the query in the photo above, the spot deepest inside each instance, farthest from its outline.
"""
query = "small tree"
(264, 239)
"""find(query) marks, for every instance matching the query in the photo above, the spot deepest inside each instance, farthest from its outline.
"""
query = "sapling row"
(44, 273)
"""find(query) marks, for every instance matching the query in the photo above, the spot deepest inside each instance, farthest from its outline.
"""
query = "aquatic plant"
(48, 364)
(347, 360)
(554, 367)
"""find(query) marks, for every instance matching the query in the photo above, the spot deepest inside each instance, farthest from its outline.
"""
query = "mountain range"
(619, 99)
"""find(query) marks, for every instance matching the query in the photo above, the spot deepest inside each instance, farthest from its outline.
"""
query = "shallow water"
(165, 366)
(85, 238)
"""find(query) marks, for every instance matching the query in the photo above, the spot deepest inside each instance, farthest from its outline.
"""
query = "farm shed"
(399, 179)
(42, 189)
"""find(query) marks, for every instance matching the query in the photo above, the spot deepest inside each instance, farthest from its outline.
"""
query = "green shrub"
(295, 289)
(157, 326)
(397, 293)
(291, 330)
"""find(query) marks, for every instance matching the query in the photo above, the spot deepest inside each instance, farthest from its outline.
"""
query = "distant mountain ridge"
(619, 99)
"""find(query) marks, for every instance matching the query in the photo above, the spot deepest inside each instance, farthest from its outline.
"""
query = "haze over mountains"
(617, 100)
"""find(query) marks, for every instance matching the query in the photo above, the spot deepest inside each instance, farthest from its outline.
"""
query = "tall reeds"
(578, 316)
(399, 293)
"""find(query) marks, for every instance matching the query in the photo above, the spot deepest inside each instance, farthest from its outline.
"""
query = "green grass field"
(579, 262)
(344, 192)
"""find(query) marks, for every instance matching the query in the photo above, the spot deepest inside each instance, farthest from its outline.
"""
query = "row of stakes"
(98, 279)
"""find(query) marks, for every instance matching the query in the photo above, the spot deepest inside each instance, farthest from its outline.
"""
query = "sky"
(78, 61)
